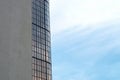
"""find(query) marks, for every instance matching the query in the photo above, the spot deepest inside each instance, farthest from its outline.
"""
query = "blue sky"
(85, 39)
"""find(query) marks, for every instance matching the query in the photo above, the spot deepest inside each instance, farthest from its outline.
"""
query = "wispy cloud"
(91, 53)
(85, 39)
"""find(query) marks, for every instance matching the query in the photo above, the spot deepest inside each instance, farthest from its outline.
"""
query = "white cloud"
(84, 26)
(67, 13)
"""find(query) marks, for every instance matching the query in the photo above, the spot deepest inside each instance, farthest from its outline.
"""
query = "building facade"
(41, 52)
(25, 52)
(15, 40)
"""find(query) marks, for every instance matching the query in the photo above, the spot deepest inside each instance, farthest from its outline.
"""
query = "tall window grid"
(41, 44)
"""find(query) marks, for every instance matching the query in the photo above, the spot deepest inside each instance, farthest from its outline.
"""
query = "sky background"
(85, 39)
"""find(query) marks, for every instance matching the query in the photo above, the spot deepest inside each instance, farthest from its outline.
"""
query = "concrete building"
(25, 40)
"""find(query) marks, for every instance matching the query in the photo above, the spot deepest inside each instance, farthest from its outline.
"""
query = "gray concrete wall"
(15, 40)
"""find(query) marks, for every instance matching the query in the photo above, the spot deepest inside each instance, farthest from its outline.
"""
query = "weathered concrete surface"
(15, 40)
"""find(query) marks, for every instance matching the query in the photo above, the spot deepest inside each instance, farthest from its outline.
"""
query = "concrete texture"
(15, 40)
